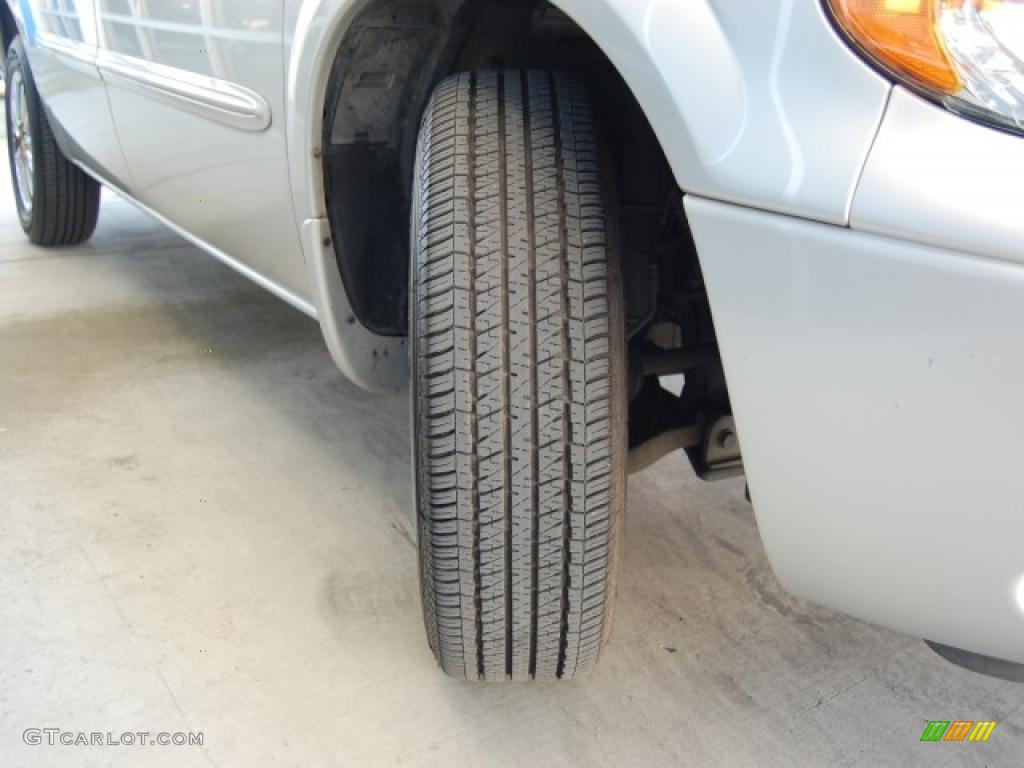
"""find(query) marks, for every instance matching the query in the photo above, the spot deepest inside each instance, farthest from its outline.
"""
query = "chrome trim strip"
(72, 49)
(280, 291)
(249, 36)
(217, 100)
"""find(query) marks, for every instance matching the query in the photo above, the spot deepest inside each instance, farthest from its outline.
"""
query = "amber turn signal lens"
(903, 36)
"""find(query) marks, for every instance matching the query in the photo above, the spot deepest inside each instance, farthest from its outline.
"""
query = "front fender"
(756, 103)
(375, 363)
(760, 104)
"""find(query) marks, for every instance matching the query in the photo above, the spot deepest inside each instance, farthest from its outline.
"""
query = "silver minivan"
(804, 212)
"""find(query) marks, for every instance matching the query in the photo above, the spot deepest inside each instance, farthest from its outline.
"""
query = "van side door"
(197, 93)
(61, 39)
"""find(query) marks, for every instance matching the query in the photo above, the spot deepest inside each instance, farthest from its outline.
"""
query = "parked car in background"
(536, 210)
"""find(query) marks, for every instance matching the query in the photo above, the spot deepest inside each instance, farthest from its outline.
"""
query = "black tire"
(65, 202)
(519, 369)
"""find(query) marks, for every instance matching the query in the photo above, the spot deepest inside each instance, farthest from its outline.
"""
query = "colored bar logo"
(958, 730)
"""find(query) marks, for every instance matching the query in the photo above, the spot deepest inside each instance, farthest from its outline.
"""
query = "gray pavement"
(204, 528)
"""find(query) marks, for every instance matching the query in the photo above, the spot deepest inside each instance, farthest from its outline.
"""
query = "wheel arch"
(720, 96)
(320, 29)
(371, 361)
(8, 29)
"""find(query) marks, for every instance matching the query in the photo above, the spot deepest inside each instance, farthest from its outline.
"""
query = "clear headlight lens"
(969, 54)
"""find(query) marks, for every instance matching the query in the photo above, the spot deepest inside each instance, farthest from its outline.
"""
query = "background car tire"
(65, 202)
(519, 370)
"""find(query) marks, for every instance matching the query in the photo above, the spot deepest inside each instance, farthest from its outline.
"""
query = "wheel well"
(8, 29)
(386, 66)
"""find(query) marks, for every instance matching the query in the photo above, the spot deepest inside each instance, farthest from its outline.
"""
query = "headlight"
(968, 54)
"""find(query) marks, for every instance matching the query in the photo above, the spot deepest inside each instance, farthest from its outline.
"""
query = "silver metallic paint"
(876, 385)
(218, 100)
(282, 293)
(61, 46)
(784, 123)
(937, 178)
(225, 186)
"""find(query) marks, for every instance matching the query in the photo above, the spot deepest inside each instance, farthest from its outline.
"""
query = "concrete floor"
(203, 528)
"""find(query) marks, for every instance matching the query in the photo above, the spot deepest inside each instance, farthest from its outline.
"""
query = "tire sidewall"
(16, 60)
(422, 534)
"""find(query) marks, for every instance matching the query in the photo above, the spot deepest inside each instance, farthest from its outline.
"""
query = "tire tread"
(517, 326)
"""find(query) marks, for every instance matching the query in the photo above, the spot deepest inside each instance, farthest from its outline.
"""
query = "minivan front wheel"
(518, 377)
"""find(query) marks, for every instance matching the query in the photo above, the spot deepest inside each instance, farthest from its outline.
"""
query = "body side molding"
(218, 100)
